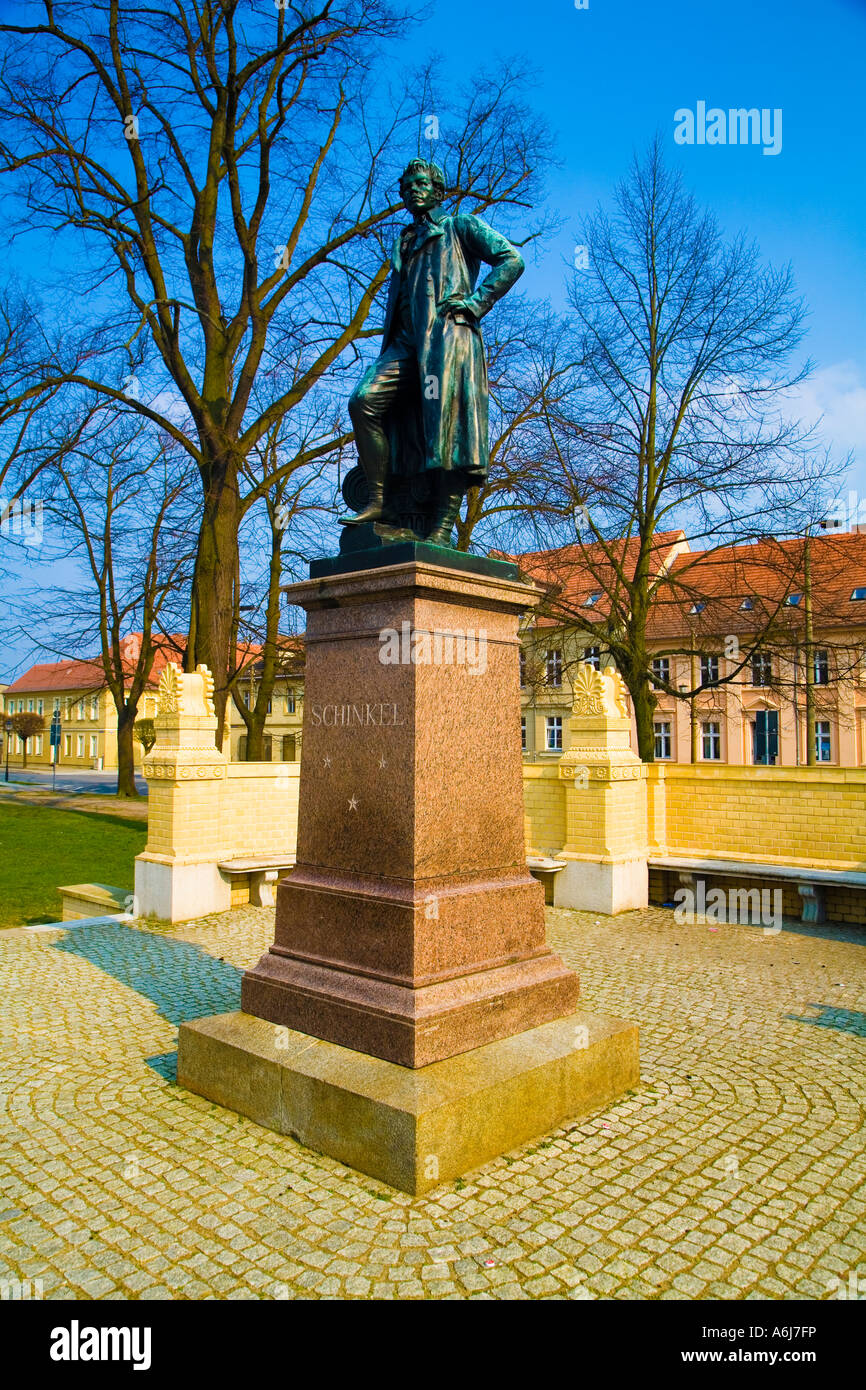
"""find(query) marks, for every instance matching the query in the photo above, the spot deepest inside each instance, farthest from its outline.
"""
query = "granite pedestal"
(410, 930)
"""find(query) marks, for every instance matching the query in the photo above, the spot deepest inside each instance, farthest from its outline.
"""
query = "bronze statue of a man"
(420, 411)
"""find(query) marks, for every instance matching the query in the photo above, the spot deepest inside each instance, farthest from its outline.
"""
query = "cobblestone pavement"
(734, 1170)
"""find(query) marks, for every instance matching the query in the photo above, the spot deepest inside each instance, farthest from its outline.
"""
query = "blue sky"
(611, 75)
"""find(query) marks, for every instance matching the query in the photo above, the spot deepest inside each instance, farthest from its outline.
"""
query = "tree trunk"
(24, 742)
(126, 752)
(644, 703)
(213, 593)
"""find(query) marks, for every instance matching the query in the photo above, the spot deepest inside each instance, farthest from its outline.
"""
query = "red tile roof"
(716, 582)
(89, 674)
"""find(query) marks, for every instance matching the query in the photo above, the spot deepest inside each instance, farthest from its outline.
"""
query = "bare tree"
(685, 424)
(230, 174)
(126, 541)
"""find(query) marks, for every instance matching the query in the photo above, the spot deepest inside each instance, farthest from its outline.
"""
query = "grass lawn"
(40, 848)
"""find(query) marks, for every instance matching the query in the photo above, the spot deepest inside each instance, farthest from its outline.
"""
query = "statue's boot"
(446, 516)
(375, 508)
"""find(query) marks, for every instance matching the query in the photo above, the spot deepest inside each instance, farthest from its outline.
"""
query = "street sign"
(55, 730)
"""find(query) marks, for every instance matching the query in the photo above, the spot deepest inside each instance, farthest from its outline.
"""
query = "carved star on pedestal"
(327, 762)
(382, 762)
(353, 804)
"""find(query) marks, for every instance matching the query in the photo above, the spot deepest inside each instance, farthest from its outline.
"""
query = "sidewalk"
(734, 1170)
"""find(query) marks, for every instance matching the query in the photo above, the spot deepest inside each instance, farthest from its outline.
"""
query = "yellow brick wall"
(808, 816)
(544, 808)
(260, 808)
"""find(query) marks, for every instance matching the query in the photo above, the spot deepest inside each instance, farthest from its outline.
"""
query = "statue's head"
(422, 185)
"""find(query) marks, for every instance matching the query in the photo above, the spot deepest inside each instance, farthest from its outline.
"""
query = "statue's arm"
(490, 247)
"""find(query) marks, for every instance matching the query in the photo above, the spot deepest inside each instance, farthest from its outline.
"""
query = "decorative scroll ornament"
(169, 693)
(180, 693)
(589, 691)
(618, 690)
(595, 693)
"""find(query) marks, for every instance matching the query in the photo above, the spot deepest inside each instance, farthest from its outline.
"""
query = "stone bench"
(811, 883)
(262, 873)
(545, 870)
(93, 900)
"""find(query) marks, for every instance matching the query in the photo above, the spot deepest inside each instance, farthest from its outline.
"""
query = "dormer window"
(697, 608)
(858, 595)
(747, 605)
(592, 598)
(793, 600)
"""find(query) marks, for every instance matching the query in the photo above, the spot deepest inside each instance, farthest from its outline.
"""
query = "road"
(95, 783)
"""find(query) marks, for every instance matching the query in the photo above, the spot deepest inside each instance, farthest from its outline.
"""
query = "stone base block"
(178, 892)
(412, 1129)
(591, 885)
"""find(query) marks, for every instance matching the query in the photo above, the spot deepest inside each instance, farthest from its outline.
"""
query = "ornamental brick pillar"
(176, 878)
(606, 802)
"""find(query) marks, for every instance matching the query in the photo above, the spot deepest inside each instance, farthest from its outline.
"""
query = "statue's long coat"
(445, 426)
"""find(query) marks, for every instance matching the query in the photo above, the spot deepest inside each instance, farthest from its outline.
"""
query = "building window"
(245, 696)
(747, 605)
(821, 666)
(765, 737)
(592, 599)
(30, 706)
(37, 746)
(523, 732)
(822, 740)
(662, 738)
(661, 669)
(80, 746)
(762, 668)
(290, 708)
(858, 595)
(553, 667)
(697, 608)
(94, 745)
(40, 706)
(267, 748)
(242, 748)
(592, 656)
(709, 670)
(57, 704)
(67, 745)
(793, 600)
(94, 707)
(289, 751)
(270, 702)
(711, 742)
(522, 661)
(80, 709)
(553, 733)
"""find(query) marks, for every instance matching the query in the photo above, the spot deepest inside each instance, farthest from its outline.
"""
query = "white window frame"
(553, 728)
(711, 735)
(663, 734)
(820, 737)
(553, 667)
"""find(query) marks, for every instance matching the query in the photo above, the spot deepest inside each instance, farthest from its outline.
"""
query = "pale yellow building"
(89, 718)
(702, 631)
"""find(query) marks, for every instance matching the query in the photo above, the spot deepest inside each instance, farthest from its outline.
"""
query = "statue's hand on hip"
(455, 306)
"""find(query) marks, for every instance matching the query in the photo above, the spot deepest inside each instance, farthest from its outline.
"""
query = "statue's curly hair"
(426, 166)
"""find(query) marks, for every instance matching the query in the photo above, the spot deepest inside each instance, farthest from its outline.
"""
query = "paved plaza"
(734, 1170)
